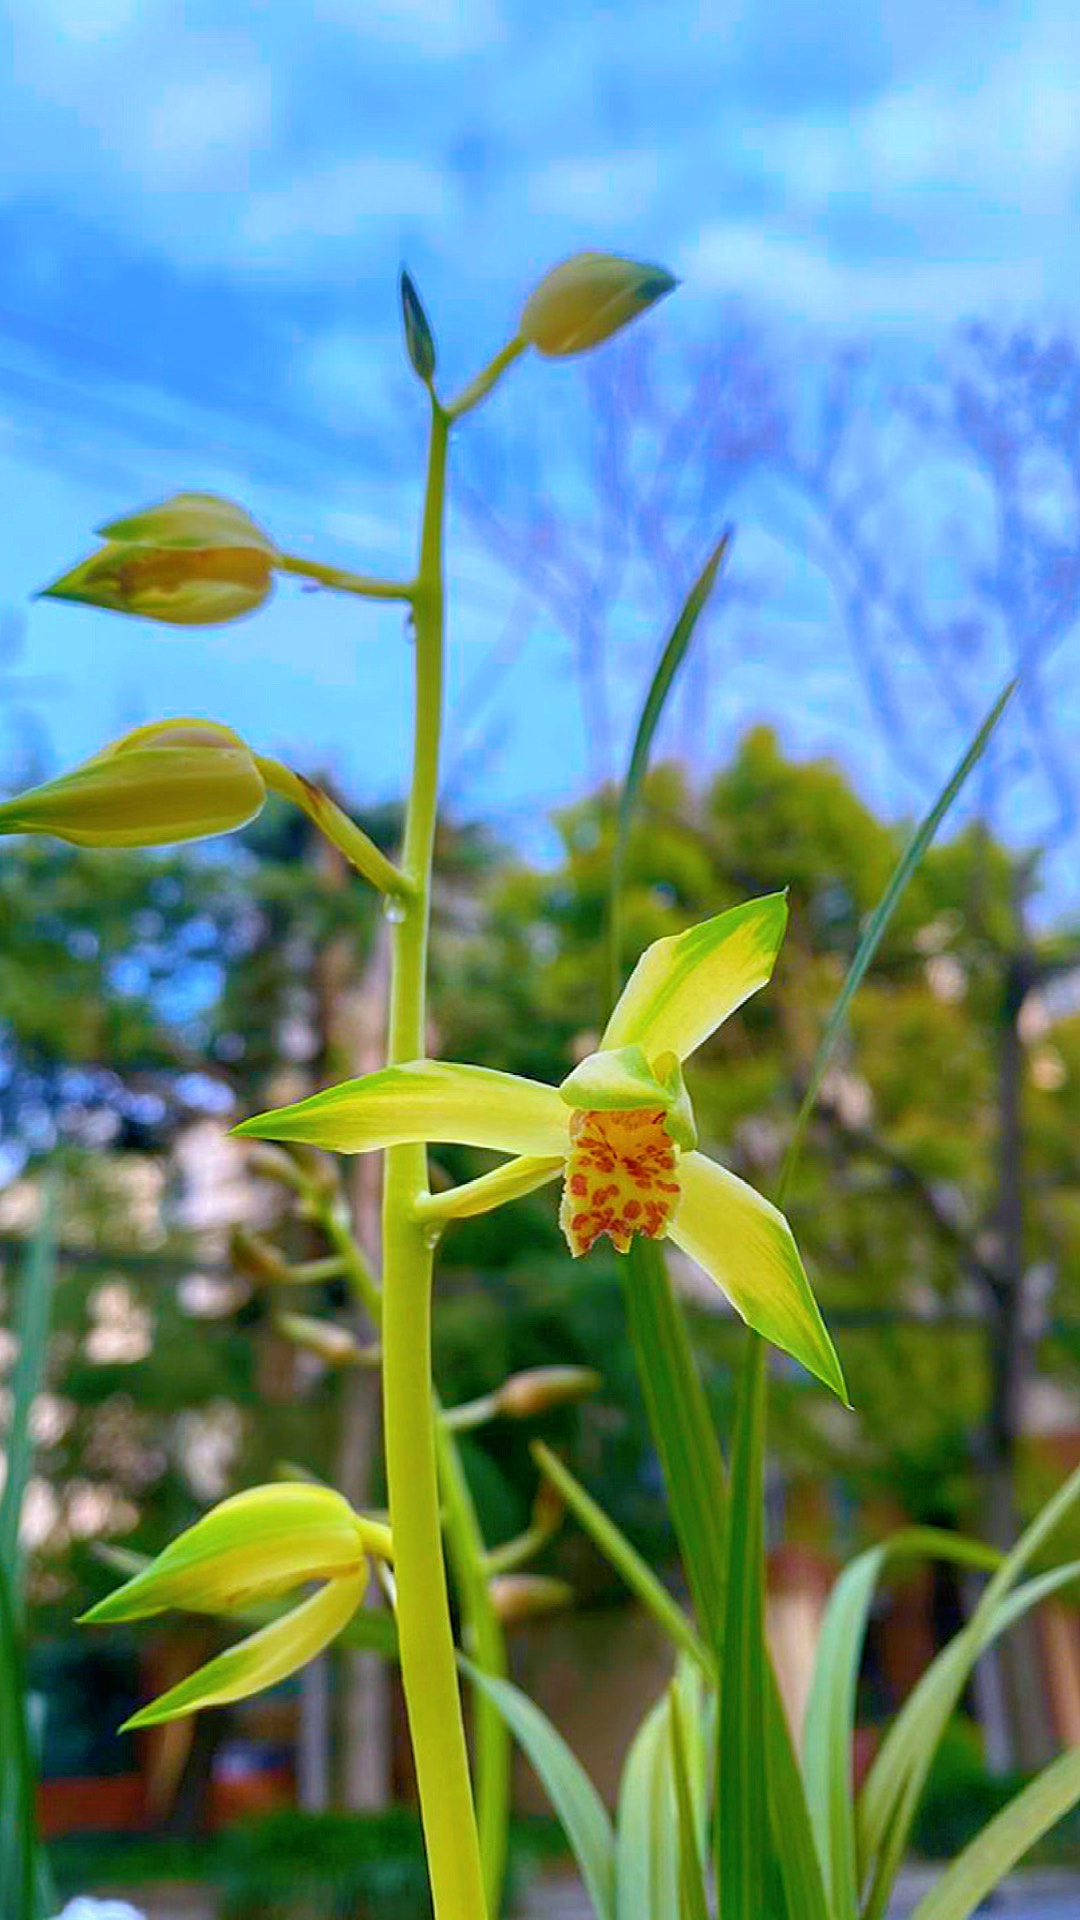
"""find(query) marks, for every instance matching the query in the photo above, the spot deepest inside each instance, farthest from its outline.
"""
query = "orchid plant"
(619, 1131)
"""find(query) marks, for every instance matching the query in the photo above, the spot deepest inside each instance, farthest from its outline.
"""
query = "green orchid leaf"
(624, 1557)
(693, 1900)
(581, 1811)
(425, 1100)
(745, 1858)
(646, 1832)
(667, 667)
(685, 986)
(830, 1716)
(994, 1852)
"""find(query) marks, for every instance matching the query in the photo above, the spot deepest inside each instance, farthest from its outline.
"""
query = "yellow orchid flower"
(194, 560)
(172, 780)
(255, 1546)
(620, 1129)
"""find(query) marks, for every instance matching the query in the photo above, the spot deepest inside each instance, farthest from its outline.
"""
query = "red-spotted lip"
(621, 1178)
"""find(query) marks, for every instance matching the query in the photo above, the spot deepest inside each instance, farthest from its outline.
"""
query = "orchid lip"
(621, 1177)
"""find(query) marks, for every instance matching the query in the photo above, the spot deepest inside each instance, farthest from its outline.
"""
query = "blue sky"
(203, 208)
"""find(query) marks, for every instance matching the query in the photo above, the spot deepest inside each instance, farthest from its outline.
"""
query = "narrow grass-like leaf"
(18, 1833)
(646, 1835)
(579, 1807)
(24, 1875)
(682, 1429)
(743, 1826)
(801, 1887)
(663, 679)
(895, 1783)
(830, 1716)
(694, 1477)
(1045, 1523)
(36, 1285)
(994, 1852)
(625, 1558)
(876, 925)
(693, 1901)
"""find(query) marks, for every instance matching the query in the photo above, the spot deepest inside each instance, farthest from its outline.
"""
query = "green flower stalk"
(196, 559)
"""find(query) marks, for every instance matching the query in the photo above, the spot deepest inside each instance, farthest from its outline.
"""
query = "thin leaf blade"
(682, 1430)
(624, 1557)
(579, 1807)
(877, 924)
(660, 686)
(830, 1717)
(1012, 1833)
(743, 1824)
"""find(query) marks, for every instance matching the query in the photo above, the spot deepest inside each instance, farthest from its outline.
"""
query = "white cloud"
(599, 187)
(286, 225)
(800, 278)
(1009, 132)
(433, 29)
(75, 22)
(195, 131)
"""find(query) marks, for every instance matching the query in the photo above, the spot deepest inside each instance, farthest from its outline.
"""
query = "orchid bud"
(586, 299)
(256, 1544)
(516, 1597)
(254, 1256)
(273, 1163)
(173, 780)
(255, 1547)
(523, 1395)
(548, 1509)
(334, 1345)
(419, 339)
(193, 560)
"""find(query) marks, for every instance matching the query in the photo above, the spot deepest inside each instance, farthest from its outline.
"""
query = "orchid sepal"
(425, 1101)
(748, 1250)
(264, 1658)
(684, 986)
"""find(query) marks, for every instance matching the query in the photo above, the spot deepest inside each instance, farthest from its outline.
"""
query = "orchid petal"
(265, 1657)
(746, 1246)
(427, 1100)
(511, 1181)
(683, 987)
